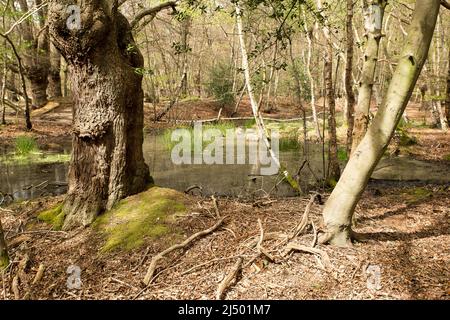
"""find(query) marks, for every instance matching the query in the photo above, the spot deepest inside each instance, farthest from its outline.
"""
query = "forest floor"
(407, 242)
(406, 227)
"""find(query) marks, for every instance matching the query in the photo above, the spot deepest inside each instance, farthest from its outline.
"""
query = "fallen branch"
(153, 263)
(227, 281)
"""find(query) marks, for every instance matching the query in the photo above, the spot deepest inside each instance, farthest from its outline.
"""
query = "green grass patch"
(34, 158)
(25, 145)
(404, 139)
(140, 218)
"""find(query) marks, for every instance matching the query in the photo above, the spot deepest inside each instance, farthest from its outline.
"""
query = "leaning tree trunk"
(4, 259)
(54, 77)
(340, 206)
(373, 22)
(107, 160)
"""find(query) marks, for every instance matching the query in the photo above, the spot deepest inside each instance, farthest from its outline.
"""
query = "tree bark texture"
(373, 21)
(107, 160)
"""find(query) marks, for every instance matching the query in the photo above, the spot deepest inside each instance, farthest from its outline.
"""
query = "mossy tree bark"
(107, 160)
(4, 259)
(373, 22)
(339, 208)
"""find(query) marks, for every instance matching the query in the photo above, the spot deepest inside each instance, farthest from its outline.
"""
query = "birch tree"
(340, 206)
(373, 22)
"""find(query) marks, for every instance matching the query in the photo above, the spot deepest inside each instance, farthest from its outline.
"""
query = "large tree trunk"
(340, 206)
(4, 259)
(54, 77)
(107, 161)
(373, 15)
(350, 108)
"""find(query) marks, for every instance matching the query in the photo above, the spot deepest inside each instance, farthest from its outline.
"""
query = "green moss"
(140, 218)
(4, 261)
(54, 216)
(447, 157)
(290, 180)
(342, 154)
(417, 194)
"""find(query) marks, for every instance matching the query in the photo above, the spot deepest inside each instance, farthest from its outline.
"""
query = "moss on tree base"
(53, 216)
(140, 218)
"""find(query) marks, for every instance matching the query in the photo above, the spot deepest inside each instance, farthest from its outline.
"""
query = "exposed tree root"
(228, 280)
(153, 264)
(322, 254)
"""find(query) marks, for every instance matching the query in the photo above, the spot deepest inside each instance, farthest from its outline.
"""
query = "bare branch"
(445, 4)
(153, 11)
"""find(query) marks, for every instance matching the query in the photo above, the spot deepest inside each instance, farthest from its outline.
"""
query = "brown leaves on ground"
(407, 236)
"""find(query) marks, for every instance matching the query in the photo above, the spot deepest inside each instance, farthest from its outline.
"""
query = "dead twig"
(15, 287)
(320, 253)
(228, 280)
(39, 274)
(259, 246)
(216, 207)
(153, 264)
(304, 222)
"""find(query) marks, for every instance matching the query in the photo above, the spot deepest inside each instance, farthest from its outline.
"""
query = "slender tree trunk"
(186, 23)
(3, 93)
(373, 15)
(334, 170)
(107, 160)
(35, 59)
(350, 101)
(255, 107)
(54, 77)
(447, 100)
(311, 79)
(4, 259)
(438, 103)
(339, 208)
(298, 91)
